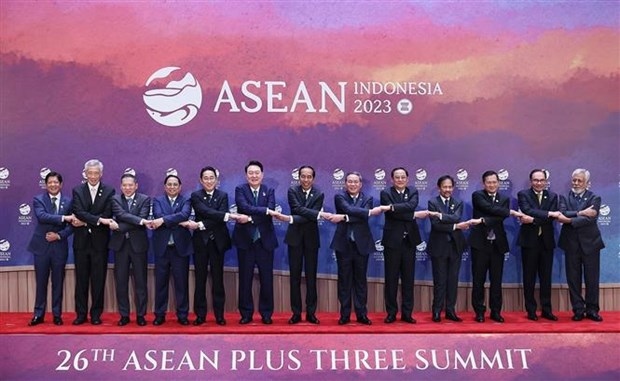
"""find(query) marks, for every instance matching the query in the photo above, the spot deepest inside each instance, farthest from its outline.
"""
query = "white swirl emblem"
(177, 103)
(5, 245)
(24, 209)
(605, 210)
(421, 246)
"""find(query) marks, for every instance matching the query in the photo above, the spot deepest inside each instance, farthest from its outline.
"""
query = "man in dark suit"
(50, 247)
(581, 241)
(489, 243)
(353, 244)
(400, 237)
(446, 245)
(172, 245)
(302, 238)
(92, 207)
(255, 239)
(211, 241)
(536, 238)
(130, 244)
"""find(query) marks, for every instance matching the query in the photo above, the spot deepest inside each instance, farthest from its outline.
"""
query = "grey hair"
(579, 171)
(93, 163)
(353, 173)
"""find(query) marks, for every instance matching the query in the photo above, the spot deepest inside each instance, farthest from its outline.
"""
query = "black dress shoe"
(245, 320)
(532, 316)
(408, 319)
(79, 320)
(452, 316)
(124, 321)
(363, 320)
(495, 316)
(312, 319)
(159, 320)
(57, 320)
(594, 316)
(199, 320)
(141, 321)
(95, 321)
(436, 317)
(480, 317)
(183, 321)
(389, 319)
(577, 317)
(296, 318)
(549, 316)
(35, 321)
(267, 320)
(344, 320)
(220, 321)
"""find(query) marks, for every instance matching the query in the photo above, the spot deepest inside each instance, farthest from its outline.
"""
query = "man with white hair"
(581, 241)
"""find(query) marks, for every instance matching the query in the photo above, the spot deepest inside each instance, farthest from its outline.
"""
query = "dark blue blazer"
(128, 220)
(172, 215)
(304, 228)
(582, 231)
(357, 223)
(212, 215)
(400, 220)
(494, 214)
(442, 231)
(89, 212)
(244, 233)
(528, 203)
(48, 222)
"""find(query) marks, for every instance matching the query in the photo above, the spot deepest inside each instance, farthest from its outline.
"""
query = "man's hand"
(462, 225)
(337, 218)
(588, 212)
(563, 219)
(376, 211)
(525, 219)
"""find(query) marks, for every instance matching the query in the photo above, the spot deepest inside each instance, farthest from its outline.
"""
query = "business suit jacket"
(494, 214)
(304, 228)
(443, 235)
(212, 215)
(582, 231)
(49, 222)
(401, 220)
(172, 216)
(243, 233)
(528, 233)
(357, 223)
(87, 211)
(128, 220)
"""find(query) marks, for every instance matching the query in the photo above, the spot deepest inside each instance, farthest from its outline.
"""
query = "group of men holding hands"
(102, 220)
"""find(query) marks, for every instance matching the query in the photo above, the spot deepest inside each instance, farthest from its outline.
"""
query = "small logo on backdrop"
(129, 171)
(420, 252)
(42, 173)
(171, 172)
(295, 174)
(504, 183)
(461, 179)
(379, 183)
(404, 106)
(4, 178)
(24, 218)
(24, 209)
(338, 182)
(177, 103)
(604, 218)
(421, 183)
(5, 254)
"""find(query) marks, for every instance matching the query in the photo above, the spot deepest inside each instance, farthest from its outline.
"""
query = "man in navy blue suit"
(50, 247)
(582, 242)
(172, 247)
(255, 239)
(536, 238)
(353, 244)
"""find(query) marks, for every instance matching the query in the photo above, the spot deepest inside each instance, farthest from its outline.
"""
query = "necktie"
(54, 206)
(129, 203)
(93, 193)
(256, 235)
(491, 232)
(447, 204)
(171, 202)
(171, 238)
(539, 196)
(209, 198)
(255, 192)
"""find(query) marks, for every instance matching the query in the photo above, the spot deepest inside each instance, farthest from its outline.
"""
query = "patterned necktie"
(255, 192)
(171, 202)
(129, 203)
(54, 206)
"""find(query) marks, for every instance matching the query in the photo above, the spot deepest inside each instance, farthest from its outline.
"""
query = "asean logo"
(177, 103)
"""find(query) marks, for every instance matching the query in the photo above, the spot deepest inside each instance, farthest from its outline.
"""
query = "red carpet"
(516, 322)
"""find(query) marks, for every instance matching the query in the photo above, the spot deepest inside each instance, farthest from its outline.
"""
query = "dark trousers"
(352, 268)
(125, 260)
(579, 264)
(537, 261)
(205, 259)
(257, 256)
(172, 263)
(45, 264)
(298, 258)
(399, 264)
(91, 267)
(445, 281)
(490, 260)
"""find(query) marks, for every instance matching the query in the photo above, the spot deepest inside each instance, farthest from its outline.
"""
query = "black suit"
(302, 238)
(90, 247)
(172, 245)
(445, 247)
(50, 256)
(537, 243)
(130, 244)
(582, 243)
(400, 237)
(353, 243)
(255, 243)
(210, 245)
(488, 243)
